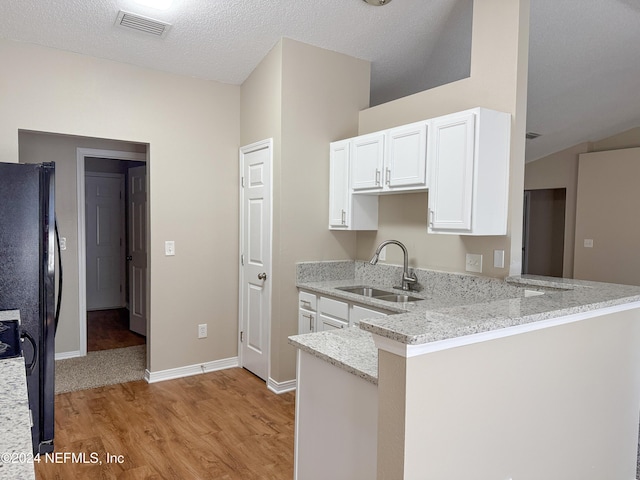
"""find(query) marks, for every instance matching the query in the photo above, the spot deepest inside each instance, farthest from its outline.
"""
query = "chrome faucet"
(408, 279)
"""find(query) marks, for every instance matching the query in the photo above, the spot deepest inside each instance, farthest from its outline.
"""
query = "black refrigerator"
(27, 281)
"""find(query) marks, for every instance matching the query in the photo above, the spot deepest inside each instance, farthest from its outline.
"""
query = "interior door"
(137, 256)
(255, 249)
(105, 245)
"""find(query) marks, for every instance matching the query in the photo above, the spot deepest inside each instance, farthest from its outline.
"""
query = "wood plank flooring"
(107, 329)
(222, 425)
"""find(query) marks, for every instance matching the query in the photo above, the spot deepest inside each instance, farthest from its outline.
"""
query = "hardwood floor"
(219, 425)
(107, 329)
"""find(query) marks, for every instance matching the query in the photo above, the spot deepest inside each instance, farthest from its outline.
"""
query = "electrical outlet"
(473, 263)
(588, 242)
(498, 259)
(63, 243)
(202, 330)
(169, 248)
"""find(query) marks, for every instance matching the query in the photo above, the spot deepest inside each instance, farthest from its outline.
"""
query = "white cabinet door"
(307, 314)
(406, 159)
(339, 184)
(332, 314)
(469, 177)
(451, 159)
(367, 157)
(346, 211)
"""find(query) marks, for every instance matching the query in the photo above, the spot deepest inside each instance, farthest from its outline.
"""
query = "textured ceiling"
(584, 69)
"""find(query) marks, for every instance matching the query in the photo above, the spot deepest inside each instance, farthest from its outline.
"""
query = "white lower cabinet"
(318, 313)
(332, 314)
(307, 312)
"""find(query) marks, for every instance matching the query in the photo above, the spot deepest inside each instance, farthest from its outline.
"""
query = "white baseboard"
(65, 355)
(281, 387)
(189, 370)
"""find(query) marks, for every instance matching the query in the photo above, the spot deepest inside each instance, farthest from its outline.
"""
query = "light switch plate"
(473, 263)
(169, 248)
(498, 259)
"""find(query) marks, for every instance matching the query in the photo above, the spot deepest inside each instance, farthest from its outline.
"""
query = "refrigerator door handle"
(34, 361)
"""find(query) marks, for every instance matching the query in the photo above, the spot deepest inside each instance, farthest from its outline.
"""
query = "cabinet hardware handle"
(305, 302)
(431, 213)
(388, 176)
(344, 219)
(377, 177)
(310, 317)
(262, 276)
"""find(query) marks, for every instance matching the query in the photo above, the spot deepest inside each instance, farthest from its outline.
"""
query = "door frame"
(123, 227)
(81, 153)
(268, 143)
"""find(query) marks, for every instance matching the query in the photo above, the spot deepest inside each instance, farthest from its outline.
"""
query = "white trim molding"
(407, 351)
(190, 370)
(281, 387)
(66, 355)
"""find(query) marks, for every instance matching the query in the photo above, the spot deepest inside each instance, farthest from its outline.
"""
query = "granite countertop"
(455, 306)
(15, 435)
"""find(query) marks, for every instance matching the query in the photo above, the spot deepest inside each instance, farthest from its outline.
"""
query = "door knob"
(129, 258)
(262, 276)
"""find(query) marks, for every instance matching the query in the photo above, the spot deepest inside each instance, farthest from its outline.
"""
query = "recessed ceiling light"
(377, 3)
(159, 4)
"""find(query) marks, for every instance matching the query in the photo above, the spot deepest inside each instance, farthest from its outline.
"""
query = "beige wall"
(192, 129)
(499, 61)
(607, 213)
(304, 97)
(61, 149)
(559, 170)
(537, 405)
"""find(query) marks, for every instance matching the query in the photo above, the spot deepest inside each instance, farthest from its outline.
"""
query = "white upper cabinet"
(469, 173)
(367, 162)
(406, 157)
(339, 184)
(346, 211)
(390, 161)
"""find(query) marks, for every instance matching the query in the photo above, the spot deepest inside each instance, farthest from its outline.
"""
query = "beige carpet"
(104, 367)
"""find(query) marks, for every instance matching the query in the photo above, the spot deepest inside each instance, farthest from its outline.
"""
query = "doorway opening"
(111, 249)
(108, 239)
(543, 232)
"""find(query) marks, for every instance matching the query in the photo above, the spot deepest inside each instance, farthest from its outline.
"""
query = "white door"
(137, 256)
(255, 251)
(104, 239)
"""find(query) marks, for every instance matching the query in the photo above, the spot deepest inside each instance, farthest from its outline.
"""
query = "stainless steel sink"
(364, 291)
(378, 294)
(397, 297)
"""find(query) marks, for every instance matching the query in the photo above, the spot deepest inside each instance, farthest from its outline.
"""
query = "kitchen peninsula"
(525, 378)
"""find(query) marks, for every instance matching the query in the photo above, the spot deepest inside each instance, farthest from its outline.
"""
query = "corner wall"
(305, 97)
(499, 66)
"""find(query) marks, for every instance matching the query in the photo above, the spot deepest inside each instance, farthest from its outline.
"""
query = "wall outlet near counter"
(473, 263)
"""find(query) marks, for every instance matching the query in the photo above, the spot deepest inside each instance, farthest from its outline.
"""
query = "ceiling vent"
(532, 135)
(142, 24)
